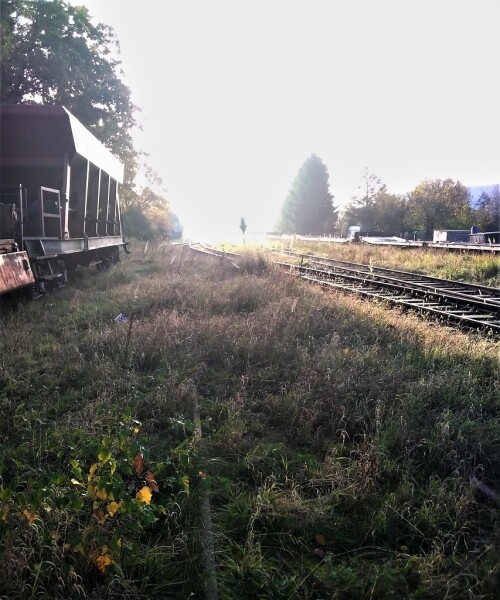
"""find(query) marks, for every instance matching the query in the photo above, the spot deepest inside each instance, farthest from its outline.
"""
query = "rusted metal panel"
(15, 271)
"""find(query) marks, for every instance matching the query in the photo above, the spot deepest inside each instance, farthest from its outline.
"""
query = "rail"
(464, 304)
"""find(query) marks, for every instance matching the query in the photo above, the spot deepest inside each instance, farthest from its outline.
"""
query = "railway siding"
(463, 304)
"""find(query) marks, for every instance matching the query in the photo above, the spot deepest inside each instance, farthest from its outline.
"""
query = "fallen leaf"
(150, 478)
(100, 516)
(112, 507)
(320, 539)
(30, 517)
(138, 463)
(101, 494)
(79, 548)
(103, 562)
(93, 469)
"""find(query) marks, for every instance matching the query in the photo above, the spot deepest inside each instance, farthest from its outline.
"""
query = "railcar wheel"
(33, 291)
(115, 255)
(63, 275)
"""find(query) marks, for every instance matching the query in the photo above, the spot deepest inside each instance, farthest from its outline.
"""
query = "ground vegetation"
(343, 445)
(483, 268)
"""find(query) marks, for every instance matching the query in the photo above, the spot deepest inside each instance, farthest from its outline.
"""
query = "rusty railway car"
(59, 199)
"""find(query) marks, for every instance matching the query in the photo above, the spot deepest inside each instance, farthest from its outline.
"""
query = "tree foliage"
(391, 213)
(376, 209)
(436, 204)
(52, 53)
(433, 204)
(308, 208)
(151, 224)
(487, 213)
(144, 200)
(147, 215)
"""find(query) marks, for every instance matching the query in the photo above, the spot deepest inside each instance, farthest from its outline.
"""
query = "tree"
(436, 204)
(390, 213)
(153, 223)
(137, 224)
(487, 213)
(145, 200)
(372, 185)
(147, 215)
(387, 213)
(308, 208)
(376, 209)
(53, 54)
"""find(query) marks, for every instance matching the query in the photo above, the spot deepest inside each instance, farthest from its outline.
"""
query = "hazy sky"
(235, 95)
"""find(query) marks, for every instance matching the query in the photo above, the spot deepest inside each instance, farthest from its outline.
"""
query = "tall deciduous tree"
(308, 208)
(389, 213)
(436, 204)
(52, 53)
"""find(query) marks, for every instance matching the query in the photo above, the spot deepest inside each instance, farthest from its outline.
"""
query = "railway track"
(454, 302)
(211, 251)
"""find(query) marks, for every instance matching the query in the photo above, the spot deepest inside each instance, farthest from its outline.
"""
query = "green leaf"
(185, 483)
(6, 492)
(104, 455)
(226, 484)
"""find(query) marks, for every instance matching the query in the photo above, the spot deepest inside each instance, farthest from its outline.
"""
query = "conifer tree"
(308, 208)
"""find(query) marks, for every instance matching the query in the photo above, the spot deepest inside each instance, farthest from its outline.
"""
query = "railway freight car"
(59, 205)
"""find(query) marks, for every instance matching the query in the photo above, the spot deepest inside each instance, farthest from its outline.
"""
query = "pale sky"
(235, 95)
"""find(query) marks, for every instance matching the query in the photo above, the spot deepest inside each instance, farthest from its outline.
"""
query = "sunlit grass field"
(347, 450)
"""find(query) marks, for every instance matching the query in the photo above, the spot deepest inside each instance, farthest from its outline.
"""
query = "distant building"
(352, 230)
(451, 235)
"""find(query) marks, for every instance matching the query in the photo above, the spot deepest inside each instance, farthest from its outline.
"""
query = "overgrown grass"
(339, 440)
(464, 266)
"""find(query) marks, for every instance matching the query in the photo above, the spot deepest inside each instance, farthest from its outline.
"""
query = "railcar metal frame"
(63, 185)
